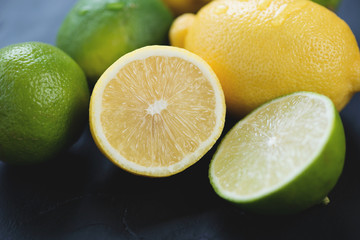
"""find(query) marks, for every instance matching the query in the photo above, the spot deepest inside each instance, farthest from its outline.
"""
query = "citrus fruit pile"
(283, 68)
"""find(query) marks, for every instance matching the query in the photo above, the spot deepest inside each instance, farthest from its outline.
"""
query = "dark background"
(81, 195)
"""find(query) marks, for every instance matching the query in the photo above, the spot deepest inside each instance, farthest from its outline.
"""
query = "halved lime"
(284, 157)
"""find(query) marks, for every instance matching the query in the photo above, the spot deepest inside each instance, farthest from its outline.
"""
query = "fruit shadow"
(42, 198)
(143, 204)
(350, 117)
(318, 222)
(81, 191)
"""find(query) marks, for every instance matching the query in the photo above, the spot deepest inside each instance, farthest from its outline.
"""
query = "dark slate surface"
(81, 195)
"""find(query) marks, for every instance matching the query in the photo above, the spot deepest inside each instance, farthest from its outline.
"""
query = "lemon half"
(157, 110)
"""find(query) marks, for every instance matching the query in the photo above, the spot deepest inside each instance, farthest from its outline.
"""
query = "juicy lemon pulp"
(158, 121)
(157, 113)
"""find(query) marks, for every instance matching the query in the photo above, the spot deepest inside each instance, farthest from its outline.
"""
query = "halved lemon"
(157, 110)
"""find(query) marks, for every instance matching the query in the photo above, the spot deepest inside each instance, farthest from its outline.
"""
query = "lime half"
(284, 157)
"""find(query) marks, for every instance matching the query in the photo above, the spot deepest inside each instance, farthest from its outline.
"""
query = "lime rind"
(309, 184)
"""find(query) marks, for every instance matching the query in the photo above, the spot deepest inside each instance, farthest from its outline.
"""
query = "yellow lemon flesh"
(157, 110)
(262, 49)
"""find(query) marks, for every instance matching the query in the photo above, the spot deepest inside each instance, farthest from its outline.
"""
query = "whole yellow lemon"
(262, 49)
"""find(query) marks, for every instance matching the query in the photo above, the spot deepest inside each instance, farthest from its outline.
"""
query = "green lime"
(97, 33)
(331, 4)
(44, 100)
(284, 157)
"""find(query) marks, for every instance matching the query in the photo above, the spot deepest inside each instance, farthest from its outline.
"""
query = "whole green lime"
(331, 4)
(44, 100)
(97, 33)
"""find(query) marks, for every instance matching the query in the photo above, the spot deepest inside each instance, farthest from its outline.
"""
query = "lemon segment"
(157, 110)
(285, 156)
